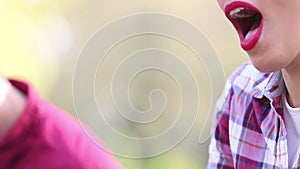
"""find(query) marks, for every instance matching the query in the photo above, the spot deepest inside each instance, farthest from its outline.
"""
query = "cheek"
(221, 3)
(279, 45)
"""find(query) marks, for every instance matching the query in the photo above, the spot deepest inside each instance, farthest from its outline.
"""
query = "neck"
(291, 76)
(12, 103)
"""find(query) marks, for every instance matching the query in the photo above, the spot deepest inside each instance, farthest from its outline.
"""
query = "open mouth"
(245, 20)
(248, 22)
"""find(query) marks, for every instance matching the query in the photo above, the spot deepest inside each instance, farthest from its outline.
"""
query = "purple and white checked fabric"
(248, 127)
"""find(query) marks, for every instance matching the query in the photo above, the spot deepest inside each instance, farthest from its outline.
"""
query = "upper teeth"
(241, 12)
(236, 10)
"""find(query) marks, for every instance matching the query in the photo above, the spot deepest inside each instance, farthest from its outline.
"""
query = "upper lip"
(244, 16)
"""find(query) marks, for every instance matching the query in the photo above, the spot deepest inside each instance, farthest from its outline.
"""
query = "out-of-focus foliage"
(32, 40)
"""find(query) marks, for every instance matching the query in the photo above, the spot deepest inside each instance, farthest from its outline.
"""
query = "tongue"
(250, 34)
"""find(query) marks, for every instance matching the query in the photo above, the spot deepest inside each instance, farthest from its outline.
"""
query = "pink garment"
(45, 137)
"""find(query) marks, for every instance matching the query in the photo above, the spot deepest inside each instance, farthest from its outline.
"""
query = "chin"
(270, 60)
(267, 66)
(265, 69)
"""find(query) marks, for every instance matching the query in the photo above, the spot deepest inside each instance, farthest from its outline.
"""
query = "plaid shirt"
(248, 128)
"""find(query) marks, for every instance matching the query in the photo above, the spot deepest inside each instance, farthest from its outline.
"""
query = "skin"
(278, 47)
(12, 104)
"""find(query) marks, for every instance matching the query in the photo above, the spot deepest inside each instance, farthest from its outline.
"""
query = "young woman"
(257, 118)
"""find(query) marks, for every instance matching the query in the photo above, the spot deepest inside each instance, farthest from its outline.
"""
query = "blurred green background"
(41, 39)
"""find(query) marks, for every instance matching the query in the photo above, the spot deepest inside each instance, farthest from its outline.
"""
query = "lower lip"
(252, 39)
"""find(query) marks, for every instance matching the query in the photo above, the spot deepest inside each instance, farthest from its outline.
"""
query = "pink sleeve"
(48, 138)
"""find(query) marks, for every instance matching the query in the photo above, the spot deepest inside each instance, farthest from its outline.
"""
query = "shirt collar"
(270, 87)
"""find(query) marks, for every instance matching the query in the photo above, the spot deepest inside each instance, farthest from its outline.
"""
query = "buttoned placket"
(281, 153)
